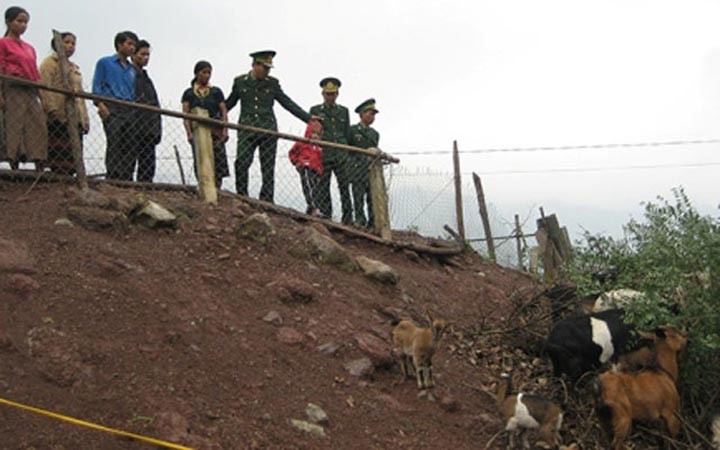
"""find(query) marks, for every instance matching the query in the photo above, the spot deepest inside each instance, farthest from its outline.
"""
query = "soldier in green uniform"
(257, 92)
(336, 128)
(364, 136)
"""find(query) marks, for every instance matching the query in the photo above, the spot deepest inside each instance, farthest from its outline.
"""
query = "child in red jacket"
(307, 159)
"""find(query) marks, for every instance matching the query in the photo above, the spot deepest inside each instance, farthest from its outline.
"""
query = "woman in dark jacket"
(202, 94)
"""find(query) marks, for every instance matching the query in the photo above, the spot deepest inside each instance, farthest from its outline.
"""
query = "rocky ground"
(235, 329)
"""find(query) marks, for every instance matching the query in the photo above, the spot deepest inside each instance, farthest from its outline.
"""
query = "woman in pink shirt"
(25, 123)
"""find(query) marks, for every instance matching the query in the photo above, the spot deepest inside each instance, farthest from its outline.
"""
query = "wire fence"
(137, 144)
(134, 144)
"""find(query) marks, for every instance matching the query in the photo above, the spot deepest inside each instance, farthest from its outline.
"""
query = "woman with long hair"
(203, 95)
(60, 152)
(25, 127)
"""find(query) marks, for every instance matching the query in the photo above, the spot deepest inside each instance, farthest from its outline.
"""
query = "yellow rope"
(82, 423)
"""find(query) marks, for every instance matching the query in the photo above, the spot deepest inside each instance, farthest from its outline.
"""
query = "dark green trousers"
(246, 145)
(336, 163)
(360, 184)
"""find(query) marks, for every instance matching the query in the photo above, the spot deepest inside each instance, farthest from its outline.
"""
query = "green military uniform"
(257, 98)
(364, 137)
(336, 128)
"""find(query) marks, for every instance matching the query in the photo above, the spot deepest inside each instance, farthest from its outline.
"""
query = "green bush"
(673, 255)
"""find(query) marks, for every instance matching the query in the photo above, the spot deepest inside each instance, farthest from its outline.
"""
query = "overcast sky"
(489, 74)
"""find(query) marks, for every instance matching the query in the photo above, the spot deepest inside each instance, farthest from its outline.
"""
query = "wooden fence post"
(71, 111)
(458, 192)
(484, 215)
(204, 158)
(378, 194)
(555, 246)
(518, 234)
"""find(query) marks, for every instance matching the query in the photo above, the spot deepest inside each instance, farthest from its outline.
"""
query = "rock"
(361, 368)
(15, 258)
(411, 255)
(172, 426)
(377, 270)
(257, 227)
(314, 245)
(123, 200)
(153, 215)
(308, 427)
(290, 336)
(328, 348)
(89, 198)
(320, 228)
(181, 207)
(57, 356)
(274, 318)
(375, 348)
(64, 222)
(22, 284)
(97, 219)
(292, 290)
(316, 414)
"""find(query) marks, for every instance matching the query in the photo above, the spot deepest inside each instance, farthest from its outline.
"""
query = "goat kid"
(416, 346)
(650, 395)
(521, 411)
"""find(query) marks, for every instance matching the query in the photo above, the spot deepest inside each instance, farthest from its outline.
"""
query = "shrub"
(673, 255)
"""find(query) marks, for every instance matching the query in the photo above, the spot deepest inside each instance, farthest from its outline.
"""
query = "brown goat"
(649, 395)
(416, 346)
(643, 357)
(521, 411)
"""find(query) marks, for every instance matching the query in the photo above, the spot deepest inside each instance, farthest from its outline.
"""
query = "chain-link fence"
(136, 143)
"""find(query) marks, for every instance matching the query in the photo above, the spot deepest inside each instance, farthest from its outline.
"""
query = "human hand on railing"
(190, 136)
(103, 111)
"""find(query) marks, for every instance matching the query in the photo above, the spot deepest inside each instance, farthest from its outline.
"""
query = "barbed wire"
(564, 170)
(626, 145)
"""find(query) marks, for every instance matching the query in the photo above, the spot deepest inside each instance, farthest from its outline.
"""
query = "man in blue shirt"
(115, 77)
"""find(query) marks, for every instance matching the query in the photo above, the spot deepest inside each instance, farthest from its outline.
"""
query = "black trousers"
(121, 148)
(145, 152)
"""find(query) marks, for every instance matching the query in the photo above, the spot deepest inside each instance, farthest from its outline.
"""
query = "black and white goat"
(577, 345)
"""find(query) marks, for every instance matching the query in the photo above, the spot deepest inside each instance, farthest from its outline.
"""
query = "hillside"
(200, 336)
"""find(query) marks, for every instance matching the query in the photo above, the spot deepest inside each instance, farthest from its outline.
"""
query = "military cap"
(366, 105)
(264, 57)
(330, 84)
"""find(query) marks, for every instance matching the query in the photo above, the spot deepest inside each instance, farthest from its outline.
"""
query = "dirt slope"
(161, 333)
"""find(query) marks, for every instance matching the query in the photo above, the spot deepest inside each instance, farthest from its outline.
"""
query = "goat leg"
(420, 372)
(429, 382)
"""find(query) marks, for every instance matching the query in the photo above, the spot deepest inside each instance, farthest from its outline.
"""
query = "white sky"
(505, 73)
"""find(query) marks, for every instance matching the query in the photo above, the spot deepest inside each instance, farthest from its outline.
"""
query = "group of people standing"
(38, 127)
(36, 123)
